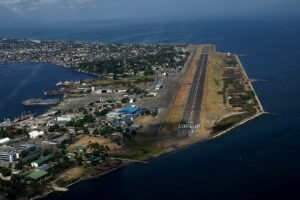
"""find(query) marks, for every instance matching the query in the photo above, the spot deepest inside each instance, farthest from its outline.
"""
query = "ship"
(40, 102)
(6, 123)
(23, 117)
(54, 93)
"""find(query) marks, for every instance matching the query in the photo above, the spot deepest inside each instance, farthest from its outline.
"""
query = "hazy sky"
(54, 10)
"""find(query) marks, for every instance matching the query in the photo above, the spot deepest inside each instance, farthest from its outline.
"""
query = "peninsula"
(148, 99)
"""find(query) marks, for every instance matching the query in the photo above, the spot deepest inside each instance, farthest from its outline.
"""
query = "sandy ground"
(75, 172)
(182, 96)
(84, 141)
(145, 119)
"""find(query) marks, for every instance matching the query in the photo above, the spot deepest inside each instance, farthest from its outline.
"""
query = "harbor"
(30, 85)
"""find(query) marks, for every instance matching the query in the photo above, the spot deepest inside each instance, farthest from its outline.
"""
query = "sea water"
(258, 160)
(21, 81)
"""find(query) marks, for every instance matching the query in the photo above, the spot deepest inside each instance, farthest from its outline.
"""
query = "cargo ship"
(40, 102)
(23, 117)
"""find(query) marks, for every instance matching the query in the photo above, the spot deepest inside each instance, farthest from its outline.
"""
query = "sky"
(83, 10)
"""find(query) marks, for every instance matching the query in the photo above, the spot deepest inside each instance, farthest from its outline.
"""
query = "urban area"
(93, 124)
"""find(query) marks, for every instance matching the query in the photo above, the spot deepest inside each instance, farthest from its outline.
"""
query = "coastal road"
(190, 121)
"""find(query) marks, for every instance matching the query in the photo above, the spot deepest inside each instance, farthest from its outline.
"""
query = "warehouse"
(4, 140)
(7, 154)
(37, 175)
(41, 161)
(35, 134)
(129, 110)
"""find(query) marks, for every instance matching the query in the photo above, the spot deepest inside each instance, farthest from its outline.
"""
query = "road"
(190, 121)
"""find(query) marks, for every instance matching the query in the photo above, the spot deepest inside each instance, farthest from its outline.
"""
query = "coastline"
(66, 188)
(167, 150)
(261, 112)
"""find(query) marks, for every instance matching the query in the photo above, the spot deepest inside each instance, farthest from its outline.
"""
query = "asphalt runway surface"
(190, 121)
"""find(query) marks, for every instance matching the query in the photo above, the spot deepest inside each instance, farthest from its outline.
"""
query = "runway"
(190, 121)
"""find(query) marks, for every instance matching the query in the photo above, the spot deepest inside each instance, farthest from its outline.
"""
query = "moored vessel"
(40, 102)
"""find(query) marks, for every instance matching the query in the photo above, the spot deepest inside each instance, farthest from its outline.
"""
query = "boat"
(54, 93)
(40, 102)
(23, 117)
(5, 123)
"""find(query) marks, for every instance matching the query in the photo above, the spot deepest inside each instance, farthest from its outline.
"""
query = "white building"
(153, 94)
(35, 134)
(3, 140)
(113, 115)
(132, 100)
(103, 91)
(8, 156)
(66, 118)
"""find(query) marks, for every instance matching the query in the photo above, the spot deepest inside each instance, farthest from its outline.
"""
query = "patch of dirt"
(182, 95)
(84, 141)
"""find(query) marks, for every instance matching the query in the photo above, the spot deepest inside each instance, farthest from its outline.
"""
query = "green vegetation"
(56, 127)
(64, 183)
(138, 150)
(13, 133)
(136, 64)
(5, 171)
(227, 122)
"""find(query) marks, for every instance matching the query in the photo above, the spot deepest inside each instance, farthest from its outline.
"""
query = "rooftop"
(43, 159)
(37, 174)
(129, 110)
(80, 148)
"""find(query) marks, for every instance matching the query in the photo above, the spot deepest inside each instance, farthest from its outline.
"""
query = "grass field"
(173, 119)
(213, 107)
(138, 150)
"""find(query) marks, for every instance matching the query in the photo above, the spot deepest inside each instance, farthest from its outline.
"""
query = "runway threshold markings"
(175, 113)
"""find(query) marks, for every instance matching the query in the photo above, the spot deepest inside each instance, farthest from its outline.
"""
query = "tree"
(154, 113)
(107, 130)
(24, 154)
(19, 165)
(88, 118)
(86, 130)
(47, 152)
(5, 171)
(95, 132)
(125, 100)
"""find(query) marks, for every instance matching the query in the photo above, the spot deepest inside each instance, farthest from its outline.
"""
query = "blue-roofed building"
(116, 124)
(158, 85)
(129, 110)
(126, 119)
